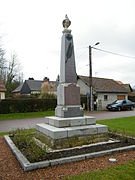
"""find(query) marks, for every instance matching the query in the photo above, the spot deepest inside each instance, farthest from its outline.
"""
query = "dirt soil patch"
(10, 168)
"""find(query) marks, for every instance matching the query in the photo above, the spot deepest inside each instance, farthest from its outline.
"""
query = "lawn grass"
(26, 115)
(125, 126)
(123, 172)
(29, 131)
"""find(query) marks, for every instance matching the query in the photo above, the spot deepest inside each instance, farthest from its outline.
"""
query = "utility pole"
(90, 79)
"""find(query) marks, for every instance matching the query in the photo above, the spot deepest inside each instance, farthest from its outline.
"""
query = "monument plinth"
(69, 127)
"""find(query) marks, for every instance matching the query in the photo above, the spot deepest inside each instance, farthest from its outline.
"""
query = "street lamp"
(90, 76)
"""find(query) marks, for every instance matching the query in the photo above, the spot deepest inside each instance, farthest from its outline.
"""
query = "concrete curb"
(27, 166)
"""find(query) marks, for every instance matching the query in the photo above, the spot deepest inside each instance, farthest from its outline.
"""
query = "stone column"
(67, 66)
(68, 93)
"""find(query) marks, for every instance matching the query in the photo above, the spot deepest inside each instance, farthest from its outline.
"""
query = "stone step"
(67, 132)
(70, 122)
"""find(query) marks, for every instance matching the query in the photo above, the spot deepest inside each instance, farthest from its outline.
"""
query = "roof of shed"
(104, 85)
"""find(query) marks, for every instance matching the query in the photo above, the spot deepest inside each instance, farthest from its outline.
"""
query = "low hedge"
(26, 105)
(30, 105)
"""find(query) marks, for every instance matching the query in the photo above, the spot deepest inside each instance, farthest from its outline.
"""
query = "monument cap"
(66, 23)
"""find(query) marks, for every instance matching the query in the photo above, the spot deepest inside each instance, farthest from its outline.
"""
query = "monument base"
(70, 132)
(70, 142)
(69, 111)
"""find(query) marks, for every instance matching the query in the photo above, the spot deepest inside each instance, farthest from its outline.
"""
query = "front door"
(120, 97)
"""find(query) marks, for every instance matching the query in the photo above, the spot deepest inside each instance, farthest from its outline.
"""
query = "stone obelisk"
(69, 128)
(68, 93)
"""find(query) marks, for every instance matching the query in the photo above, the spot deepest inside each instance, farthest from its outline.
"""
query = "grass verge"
(124, 171)
(29, 131)
(26, 115)
(125, 126)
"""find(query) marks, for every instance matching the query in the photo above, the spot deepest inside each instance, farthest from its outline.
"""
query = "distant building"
(32, 86)
(128, 88)
(105, 91)
(2, 89)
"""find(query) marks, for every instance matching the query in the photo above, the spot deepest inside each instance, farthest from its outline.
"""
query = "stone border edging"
(27, 166)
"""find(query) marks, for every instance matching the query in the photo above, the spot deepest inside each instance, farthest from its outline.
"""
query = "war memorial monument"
(69, 127)
(68, 136)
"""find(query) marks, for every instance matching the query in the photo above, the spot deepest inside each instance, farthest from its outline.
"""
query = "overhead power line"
(82, 53)
(114, 53)
(109, 52)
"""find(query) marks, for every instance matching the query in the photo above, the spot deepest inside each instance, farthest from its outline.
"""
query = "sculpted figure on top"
(66, 23)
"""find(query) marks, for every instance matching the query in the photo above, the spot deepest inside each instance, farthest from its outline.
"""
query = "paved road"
(111, 114)
(9, 125)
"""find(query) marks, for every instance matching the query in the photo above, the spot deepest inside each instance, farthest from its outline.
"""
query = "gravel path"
(10, 168)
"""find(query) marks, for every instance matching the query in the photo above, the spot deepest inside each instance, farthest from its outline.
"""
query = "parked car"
(121, 105)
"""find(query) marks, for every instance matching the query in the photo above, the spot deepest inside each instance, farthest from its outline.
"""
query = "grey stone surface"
(102, 128)
(59, 133)
(69, 122)
(51, 131)
(47, 120)
(58, 122)
(79, 121)
(60, 94)
(90, 120)
(67, 160)
(69, 111)
(68, 94)
(81, 130)
(67, 66)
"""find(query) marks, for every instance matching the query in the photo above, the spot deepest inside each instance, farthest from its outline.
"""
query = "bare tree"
(2, 62)
(10, 70)
(13, 75)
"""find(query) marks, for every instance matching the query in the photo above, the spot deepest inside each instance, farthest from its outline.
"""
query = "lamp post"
(90, 76)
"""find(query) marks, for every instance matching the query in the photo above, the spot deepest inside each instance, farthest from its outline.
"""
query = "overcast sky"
(33, 29)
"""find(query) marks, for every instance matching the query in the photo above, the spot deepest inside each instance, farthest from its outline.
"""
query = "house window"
(105, 97)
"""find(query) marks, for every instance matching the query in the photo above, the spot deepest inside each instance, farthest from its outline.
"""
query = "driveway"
(9, 125)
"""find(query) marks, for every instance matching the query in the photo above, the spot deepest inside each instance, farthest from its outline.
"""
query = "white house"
(105, 91)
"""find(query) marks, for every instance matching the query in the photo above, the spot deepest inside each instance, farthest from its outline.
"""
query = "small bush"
(27, 145)
(47, 96)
